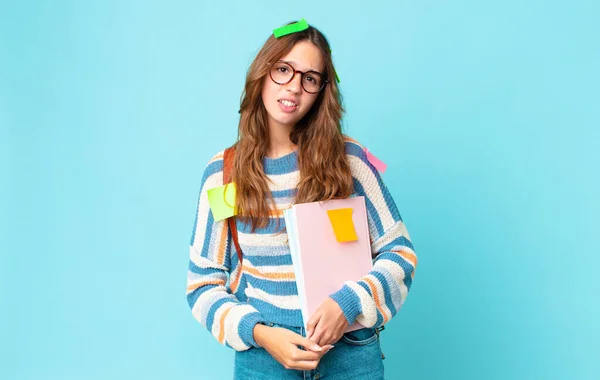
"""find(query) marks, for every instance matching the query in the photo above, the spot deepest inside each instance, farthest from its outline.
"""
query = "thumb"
(312, 323)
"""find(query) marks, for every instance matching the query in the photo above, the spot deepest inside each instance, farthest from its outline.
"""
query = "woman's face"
(304, 56)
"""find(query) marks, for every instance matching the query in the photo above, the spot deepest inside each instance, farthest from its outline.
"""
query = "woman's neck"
(279, 142)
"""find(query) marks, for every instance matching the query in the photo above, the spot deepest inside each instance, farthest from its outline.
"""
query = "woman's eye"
(283, 69)
(311, 79)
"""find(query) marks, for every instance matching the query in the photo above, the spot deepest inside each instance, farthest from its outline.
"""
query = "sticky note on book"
(343, 226)
(379, 165)
(222, 201)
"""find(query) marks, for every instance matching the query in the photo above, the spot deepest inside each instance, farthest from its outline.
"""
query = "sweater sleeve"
(378, 296)
(209, 293)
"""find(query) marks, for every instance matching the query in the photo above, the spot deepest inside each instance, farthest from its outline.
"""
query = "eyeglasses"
(283, 73)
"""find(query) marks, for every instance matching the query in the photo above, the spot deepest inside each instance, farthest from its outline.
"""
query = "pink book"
(321, 263)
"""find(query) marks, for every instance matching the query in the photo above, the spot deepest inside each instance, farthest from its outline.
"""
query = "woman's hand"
(327, 324)
(283, 344)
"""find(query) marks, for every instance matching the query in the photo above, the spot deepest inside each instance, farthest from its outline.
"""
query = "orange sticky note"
(222, 201)
(379, 165)
(343, 226)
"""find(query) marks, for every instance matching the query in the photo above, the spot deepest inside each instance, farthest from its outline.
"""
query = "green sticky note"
(336, 76)
(334, 71)
(222, 201)
(292, 28)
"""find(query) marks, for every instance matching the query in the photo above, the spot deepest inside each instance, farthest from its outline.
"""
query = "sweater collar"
(281, 165)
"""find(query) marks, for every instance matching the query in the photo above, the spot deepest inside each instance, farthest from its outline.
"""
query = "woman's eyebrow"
(294, 64)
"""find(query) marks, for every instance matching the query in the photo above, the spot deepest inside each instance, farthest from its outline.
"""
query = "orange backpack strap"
(228, 158)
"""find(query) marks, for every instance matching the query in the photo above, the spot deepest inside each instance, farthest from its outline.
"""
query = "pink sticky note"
(379, 165)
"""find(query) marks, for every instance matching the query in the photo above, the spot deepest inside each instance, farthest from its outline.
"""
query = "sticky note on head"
(379, 165)
(222, 201)
(343, 225)
(336, 76)
(334, 71)
(291, 28)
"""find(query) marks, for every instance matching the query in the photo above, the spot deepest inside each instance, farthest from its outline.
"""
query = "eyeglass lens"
(282, 73)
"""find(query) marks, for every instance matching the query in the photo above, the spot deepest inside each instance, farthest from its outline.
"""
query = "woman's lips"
(287, 109)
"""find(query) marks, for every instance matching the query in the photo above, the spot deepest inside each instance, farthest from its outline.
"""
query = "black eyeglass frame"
(325, 81)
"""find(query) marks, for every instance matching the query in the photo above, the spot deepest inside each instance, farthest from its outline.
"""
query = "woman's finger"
(306, 355)
(324, 340)
(317, 336)
(306, 343)
(312, 323)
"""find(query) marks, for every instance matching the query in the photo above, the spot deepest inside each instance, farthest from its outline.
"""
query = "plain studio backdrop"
(487, 113)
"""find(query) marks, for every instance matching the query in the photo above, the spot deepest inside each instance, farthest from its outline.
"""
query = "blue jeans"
(356, 356)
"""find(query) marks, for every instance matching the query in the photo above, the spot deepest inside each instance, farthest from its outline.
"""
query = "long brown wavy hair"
(324, 170)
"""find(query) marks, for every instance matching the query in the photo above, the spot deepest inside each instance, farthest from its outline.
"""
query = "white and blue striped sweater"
(230, 299)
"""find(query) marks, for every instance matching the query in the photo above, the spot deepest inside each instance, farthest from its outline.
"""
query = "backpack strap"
(228, 158)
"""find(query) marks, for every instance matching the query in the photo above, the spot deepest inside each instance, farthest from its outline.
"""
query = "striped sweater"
(230, 299)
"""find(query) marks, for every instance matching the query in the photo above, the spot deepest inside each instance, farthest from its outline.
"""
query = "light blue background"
(487, 114)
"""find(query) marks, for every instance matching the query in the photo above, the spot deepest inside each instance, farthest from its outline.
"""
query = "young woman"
(291, 149)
